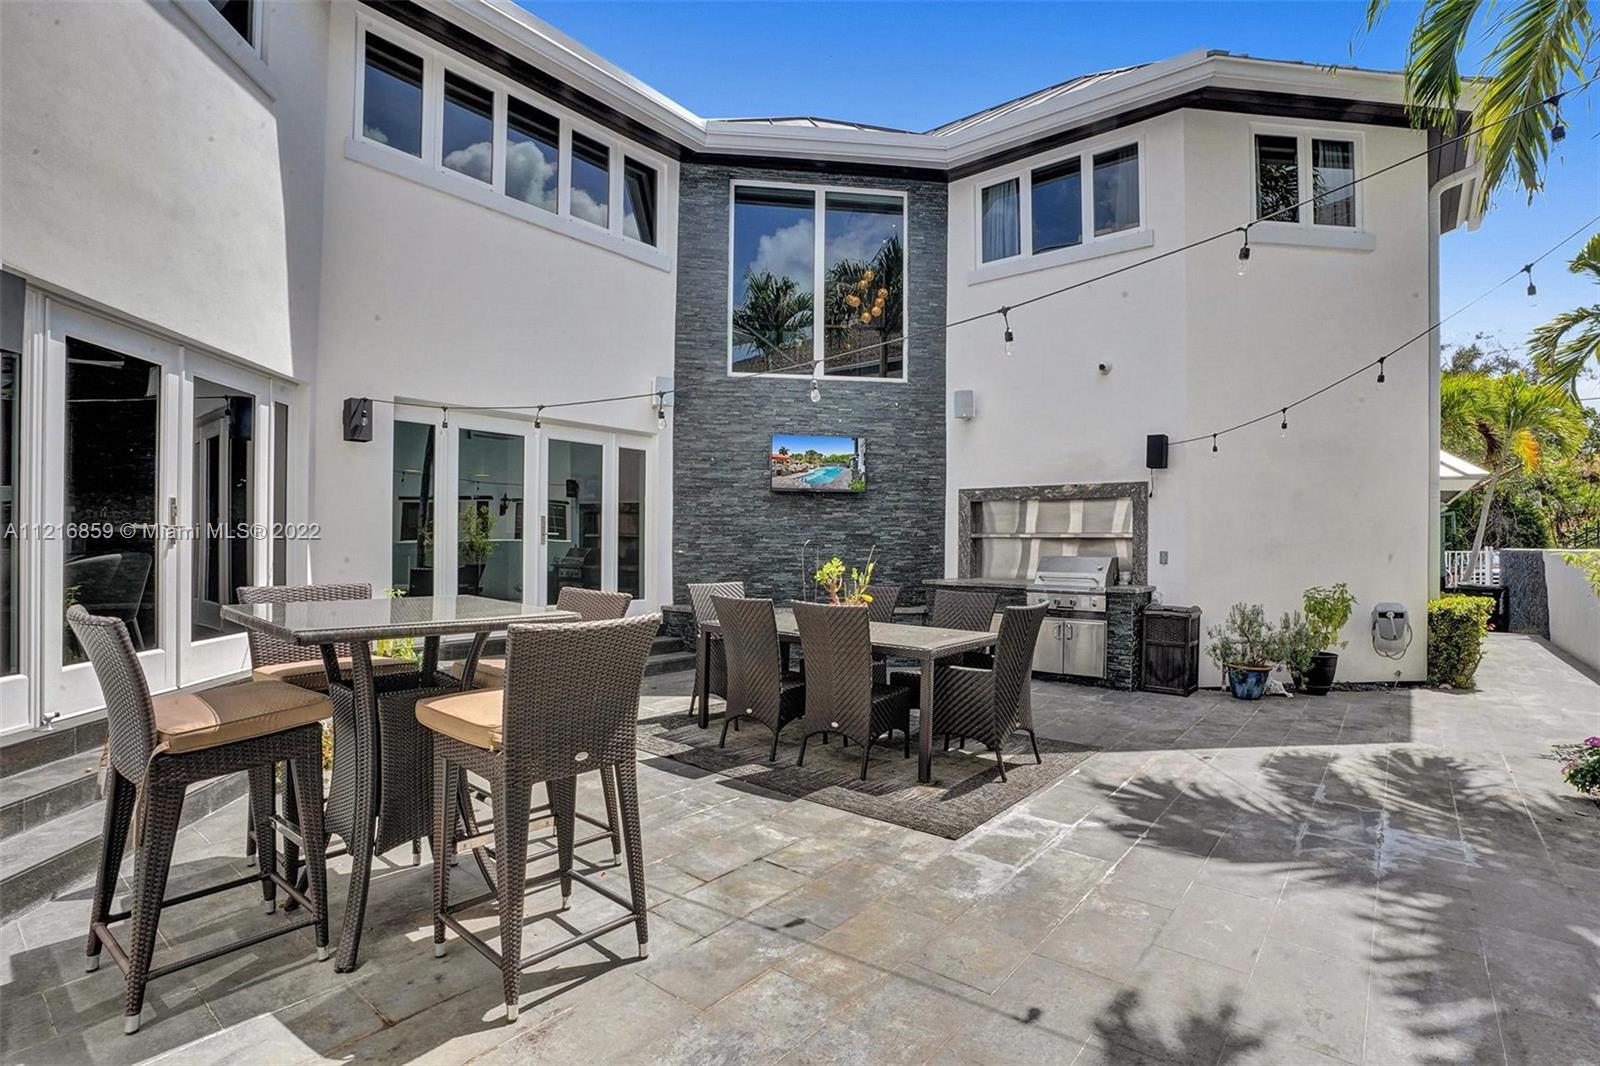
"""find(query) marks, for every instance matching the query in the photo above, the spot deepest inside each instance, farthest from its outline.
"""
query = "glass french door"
(158, 495)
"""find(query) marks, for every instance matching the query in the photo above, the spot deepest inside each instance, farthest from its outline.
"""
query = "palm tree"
(1562, 346)
(1539, 44)
(1516, 420)
(774, 316)
(878, 291)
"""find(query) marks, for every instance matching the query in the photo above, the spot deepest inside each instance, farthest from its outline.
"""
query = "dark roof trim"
(821, 167)
(1239, 101)
(418, 18)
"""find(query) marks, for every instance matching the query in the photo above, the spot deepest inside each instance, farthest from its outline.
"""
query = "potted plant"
(1327, 610)
(844, 589)
(475, 546)
(1244, 648)
(1297, 647)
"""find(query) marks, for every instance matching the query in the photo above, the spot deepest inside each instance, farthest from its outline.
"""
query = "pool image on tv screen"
(810, 463)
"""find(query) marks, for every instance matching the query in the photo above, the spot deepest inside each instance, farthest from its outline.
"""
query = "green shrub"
(1456, 628)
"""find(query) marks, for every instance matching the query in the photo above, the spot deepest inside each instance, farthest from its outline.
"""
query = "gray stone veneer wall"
(727, 523)
(1522, 574)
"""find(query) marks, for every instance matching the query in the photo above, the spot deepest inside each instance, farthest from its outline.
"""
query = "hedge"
(1456, 628)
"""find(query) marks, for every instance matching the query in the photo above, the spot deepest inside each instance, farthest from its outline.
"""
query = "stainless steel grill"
(1073, 637)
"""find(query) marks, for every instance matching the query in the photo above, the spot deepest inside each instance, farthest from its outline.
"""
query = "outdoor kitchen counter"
(1125, 606)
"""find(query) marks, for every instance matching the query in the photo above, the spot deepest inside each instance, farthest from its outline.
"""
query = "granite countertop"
(1019, 584)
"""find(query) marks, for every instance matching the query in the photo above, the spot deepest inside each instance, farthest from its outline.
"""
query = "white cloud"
(475, 160)
(373, 133)
(530, 177)
(787, 252)
(588, 208)
(858, 238)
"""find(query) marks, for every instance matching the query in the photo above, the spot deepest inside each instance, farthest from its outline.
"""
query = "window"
(411, 565)
(638, 201)
(10, 468)
(1116, 190)
(782, 267)
(241, 15)
(1002, 221)
(533, 154)
(1277, 178)
(280, 492)
(468, 146)
(1283, 183)
(391, 109)
(1058, 205)
(591, 180)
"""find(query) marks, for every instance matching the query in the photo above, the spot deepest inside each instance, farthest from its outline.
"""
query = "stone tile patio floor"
(1374, 877)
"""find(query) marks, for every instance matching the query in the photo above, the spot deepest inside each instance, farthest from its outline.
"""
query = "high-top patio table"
(926, 644)
(382, 790)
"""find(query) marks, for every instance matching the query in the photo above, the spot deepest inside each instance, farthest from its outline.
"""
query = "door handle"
(1068, 627)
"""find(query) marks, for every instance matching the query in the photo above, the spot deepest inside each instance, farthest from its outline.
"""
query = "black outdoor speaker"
(1155, 451)
(357, 419)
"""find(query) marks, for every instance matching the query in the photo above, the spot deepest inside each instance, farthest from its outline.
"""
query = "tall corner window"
(411, 560)
(467, 146)
(241, 15)
(774, 277)
(1333, 169)
(639, 201)
(863, 285)
(1002, 221)
(391, 110)
(1058, 205)
(1116, 190)
(591, 180)
(533, 154)
(1277, 178)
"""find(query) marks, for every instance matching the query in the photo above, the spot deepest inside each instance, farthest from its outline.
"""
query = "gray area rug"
(966, 790)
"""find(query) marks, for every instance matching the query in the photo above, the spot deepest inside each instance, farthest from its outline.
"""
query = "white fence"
(1486, 573)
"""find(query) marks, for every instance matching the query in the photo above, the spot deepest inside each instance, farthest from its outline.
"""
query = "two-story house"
(221, 220)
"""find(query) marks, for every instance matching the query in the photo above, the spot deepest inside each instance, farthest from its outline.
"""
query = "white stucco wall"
(145, 172)
(1343, 496)
(1574, 609)
(427, 296)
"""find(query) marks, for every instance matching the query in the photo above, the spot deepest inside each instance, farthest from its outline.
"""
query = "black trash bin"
(1500, 617)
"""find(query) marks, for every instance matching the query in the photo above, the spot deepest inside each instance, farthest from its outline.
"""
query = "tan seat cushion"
(474, 717)
(491, 673)
(381, 664)
(190, 721)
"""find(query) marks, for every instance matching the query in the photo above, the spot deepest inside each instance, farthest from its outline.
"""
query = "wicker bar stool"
(758, 688)
(570, 706)
(591, 605)
(989, 704)
(279, 660)
(701, 597)
(841, 696)
(156, 749)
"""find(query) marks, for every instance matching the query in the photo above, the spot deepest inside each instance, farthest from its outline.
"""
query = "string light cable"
(1284, 409)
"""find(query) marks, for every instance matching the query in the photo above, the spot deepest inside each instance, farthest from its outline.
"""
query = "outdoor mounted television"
(804, 462)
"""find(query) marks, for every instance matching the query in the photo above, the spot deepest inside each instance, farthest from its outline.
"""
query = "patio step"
(42, 858)
(668, 662)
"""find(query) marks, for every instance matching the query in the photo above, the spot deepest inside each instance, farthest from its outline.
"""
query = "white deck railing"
(1486, 573)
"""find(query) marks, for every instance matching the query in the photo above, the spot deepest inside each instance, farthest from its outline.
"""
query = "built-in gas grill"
(1073, 637)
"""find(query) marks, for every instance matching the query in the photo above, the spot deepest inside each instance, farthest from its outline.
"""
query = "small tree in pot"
(1327, 610)
(1245, 647)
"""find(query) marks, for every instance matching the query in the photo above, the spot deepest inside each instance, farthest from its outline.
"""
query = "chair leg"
(163, 808)
(306, 774)
(773, 756)
(1035, 742)
(291, 850)
(511, 801)
(563, 793)
(866, 753)
(627, 774)
(120, 797)
(947, 742)
(1000, 760)
(608, 786)
(803, 738)
(263, 797)
(905, 736)
(724, 741)
(250, 834)
(445, 815)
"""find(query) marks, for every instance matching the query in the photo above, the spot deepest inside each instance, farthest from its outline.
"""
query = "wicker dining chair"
(156, 748)
(275, 659)
(885, 598)
(841, 696)
(700, 598)
(991, 704)
(570, 706)
(590, 605)
(758, 688)
(953, 609)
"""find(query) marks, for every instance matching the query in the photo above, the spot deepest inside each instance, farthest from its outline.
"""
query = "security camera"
(1105, 368)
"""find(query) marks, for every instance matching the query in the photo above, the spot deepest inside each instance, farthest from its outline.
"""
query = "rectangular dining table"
(381, 795)
(925, 644)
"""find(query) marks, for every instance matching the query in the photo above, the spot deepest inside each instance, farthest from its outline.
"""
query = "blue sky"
(916, 65)
(802, 442)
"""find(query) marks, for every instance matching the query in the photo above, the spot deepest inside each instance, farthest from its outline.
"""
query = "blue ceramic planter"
(1247, 684)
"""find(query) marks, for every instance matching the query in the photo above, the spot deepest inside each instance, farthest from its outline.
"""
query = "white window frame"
(1304, 230)
(1090, 246)
(431, 171)
(249, 57)
(818, 268)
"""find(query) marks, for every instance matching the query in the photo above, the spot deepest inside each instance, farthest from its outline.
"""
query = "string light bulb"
(537, 411)
(1005, 314)
(1213, 444)
(1244, 252)
(446, 422)
(1558, 132)
(1380, 369)
(1283, 430)
(661, 410)
(1533, 290)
